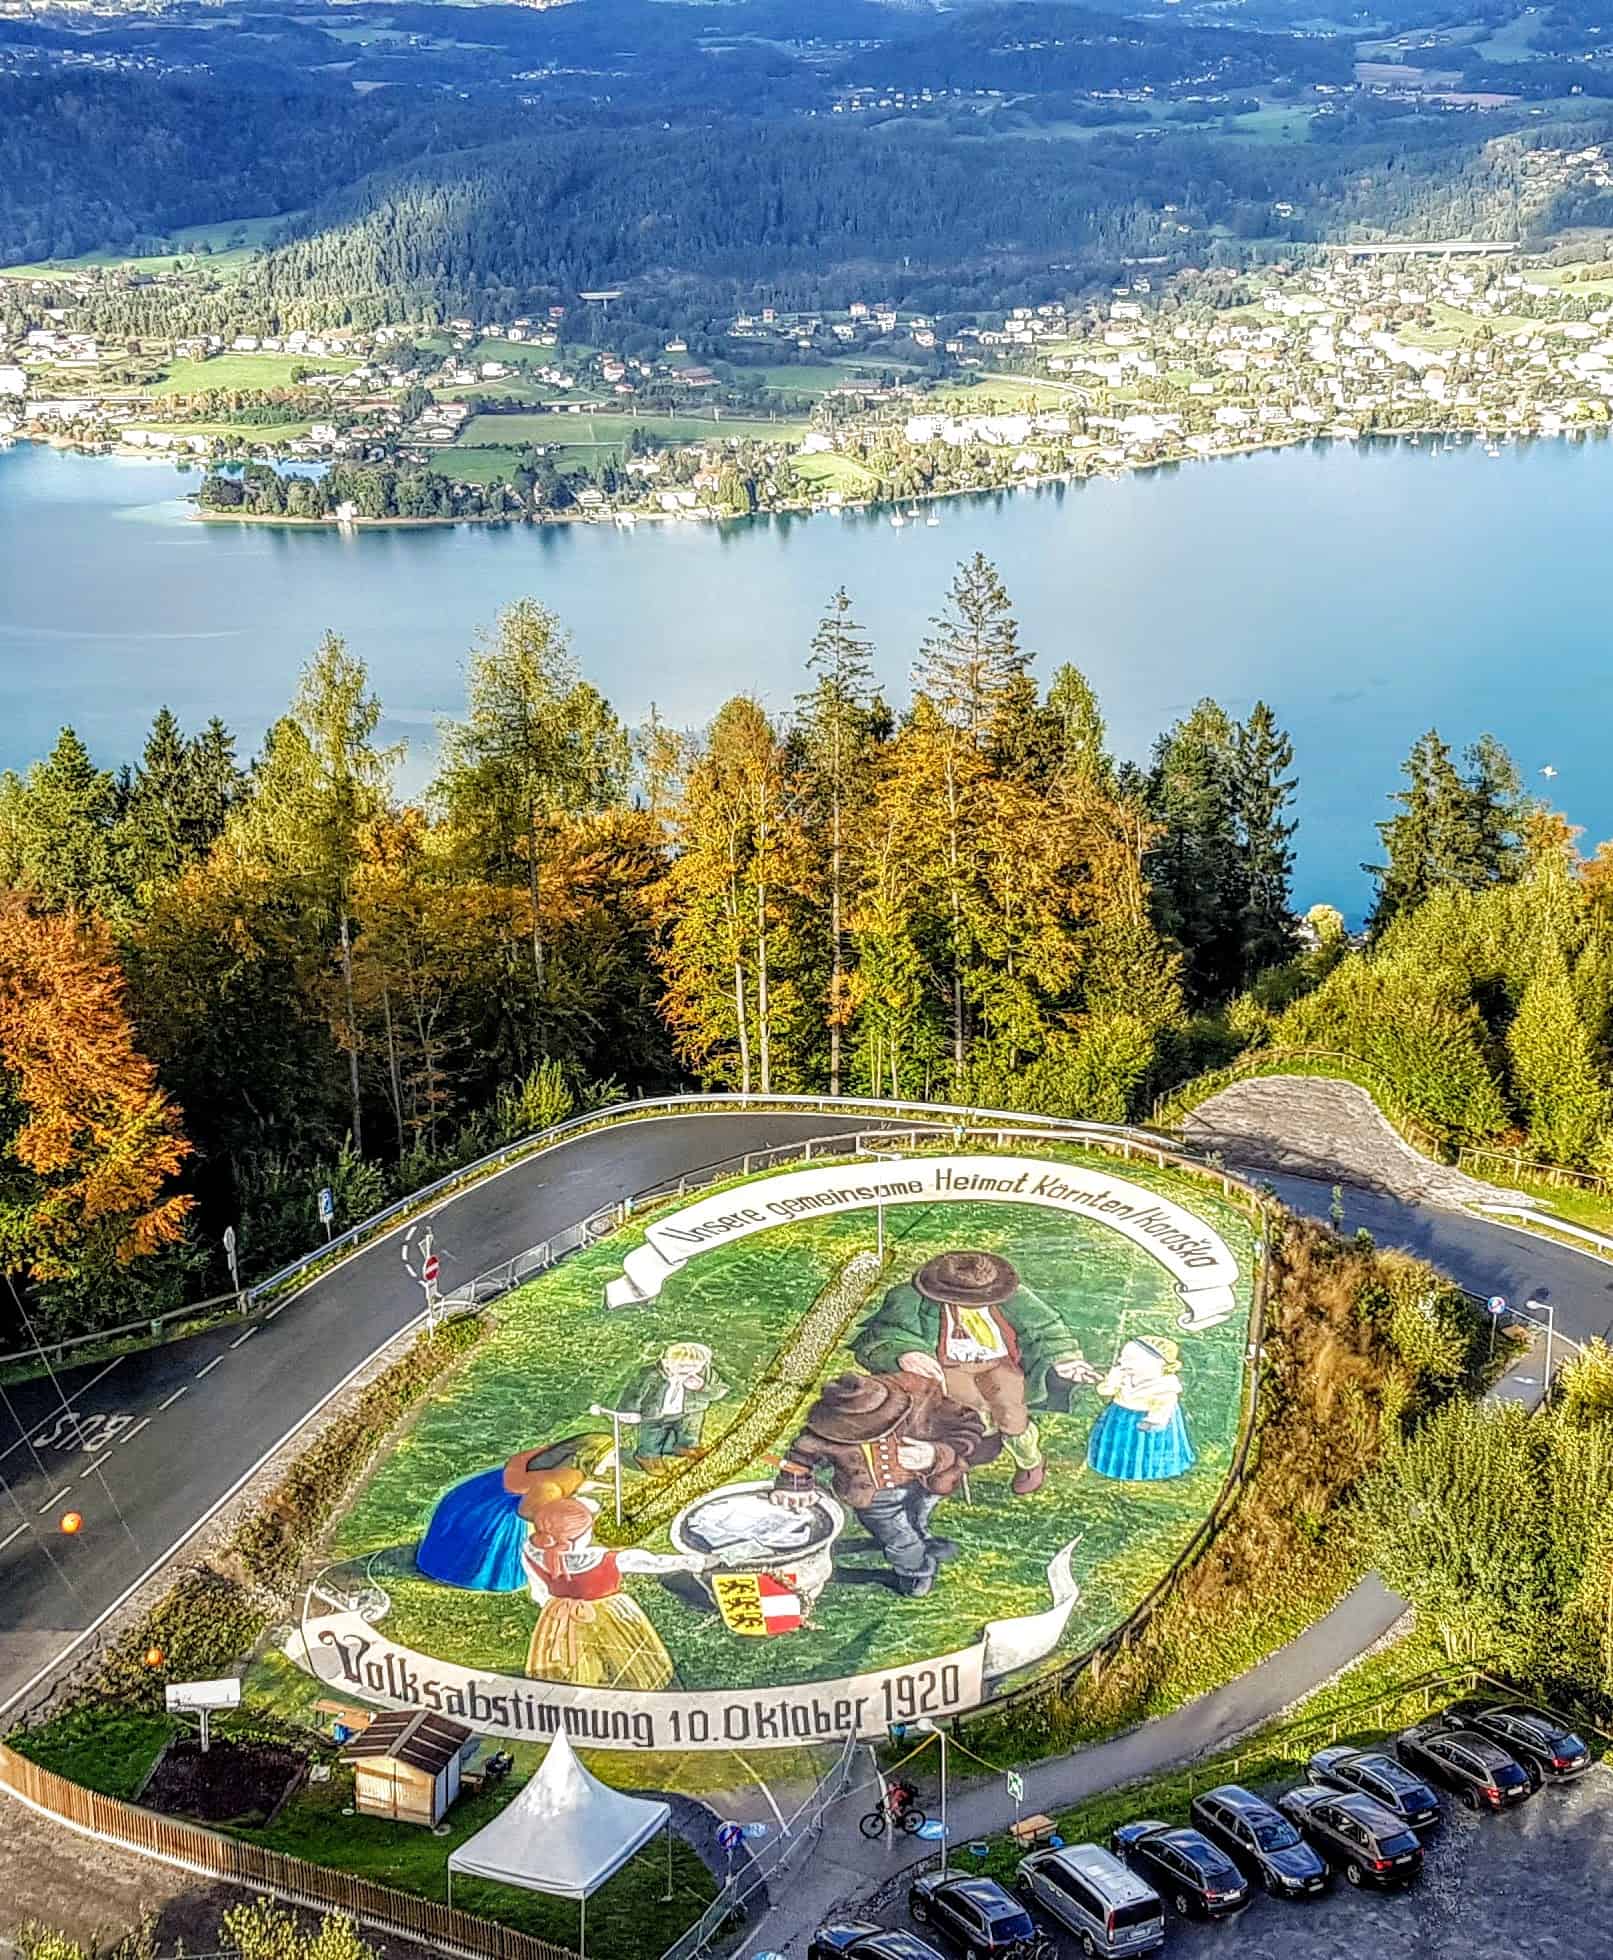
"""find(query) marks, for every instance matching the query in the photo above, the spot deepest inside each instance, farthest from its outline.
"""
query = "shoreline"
(628, 519)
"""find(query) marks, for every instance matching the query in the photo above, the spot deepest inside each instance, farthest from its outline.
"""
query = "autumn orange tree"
(88, 1143)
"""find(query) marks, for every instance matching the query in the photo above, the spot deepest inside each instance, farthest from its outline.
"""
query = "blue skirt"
(476, 1537)
(1120, 1447)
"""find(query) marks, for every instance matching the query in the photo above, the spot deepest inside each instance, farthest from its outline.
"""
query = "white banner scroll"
(1195, 1255)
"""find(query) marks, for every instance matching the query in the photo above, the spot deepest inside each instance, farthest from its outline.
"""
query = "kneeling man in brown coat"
(895, 1445)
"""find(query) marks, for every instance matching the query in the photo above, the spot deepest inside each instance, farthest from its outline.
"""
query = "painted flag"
(756, 1604)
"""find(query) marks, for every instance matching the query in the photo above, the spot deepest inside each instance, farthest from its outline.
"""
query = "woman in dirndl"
(590, 1634)
(1141, 1437)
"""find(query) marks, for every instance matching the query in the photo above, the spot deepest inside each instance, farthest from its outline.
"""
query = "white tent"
(565, 1833)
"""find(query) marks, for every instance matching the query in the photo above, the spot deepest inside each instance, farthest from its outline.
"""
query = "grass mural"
(558, 1351)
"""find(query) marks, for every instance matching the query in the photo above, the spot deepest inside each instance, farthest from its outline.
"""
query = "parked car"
(1480, 1771)
(1090, 1892)
(1182, 1865)
(859, 1939)
(1260, 1841)
(1540, 1740)
(1370, 1845)
(1380, 1777)
(977, 1916)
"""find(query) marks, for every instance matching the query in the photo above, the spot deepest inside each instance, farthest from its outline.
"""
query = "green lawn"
(1008, 393)
(831, 472)
(247, 234)
(557, 1349)
(184, 377)
(608, 428)
(415, 1860)
(105, 1748)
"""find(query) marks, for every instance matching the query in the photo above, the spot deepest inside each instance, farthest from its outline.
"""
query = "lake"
(1367, 593)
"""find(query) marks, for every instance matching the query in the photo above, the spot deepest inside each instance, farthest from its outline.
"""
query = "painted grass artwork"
(559, 1354)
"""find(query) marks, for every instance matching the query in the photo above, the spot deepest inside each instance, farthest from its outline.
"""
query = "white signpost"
(202, 1698)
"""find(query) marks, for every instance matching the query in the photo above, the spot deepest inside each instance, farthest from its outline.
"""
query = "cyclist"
(900, 1797)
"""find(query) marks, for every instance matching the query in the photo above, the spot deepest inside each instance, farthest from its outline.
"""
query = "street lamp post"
(928, 1726)
(1548, 1308)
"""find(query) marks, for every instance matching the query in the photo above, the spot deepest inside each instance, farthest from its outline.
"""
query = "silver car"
(1109, 1909)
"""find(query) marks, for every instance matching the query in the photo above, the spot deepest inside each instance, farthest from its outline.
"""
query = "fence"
(303, 1271)
(797, 1834)
(195, 1849)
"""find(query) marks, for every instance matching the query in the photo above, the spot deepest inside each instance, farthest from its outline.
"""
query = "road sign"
(327, 1208)
(1497, 1303)
(1016, 1786)
(430, 1269)
(730, 1836)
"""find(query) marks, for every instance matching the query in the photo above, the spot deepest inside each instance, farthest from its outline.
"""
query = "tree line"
(225, 985)
(280, 976)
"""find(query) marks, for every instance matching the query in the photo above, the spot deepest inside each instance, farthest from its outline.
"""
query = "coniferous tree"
(320, 782)
(1554, 1065)
(973, 656)
(1079, 736)
(1449, 829)
(1195, 865)
(834, 732)
(1262, 755)
(56, 831)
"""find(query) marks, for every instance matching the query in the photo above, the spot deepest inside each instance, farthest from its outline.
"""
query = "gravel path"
(1312, 1126)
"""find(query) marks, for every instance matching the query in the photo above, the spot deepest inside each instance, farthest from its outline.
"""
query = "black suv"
(857, 1939)
(1480, 1771)
(1543, 1742)
(1380, 1777)
(1260, 1841)
(1183, 1866)
(975, 1914)
(1370, 1845)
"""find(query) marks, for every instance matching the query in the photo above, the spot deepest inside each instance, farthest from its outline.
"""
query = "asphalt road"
(145, 1449)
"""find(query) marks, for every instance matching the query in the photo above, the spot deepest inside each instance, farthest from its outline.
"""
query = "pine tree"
(320, 782)
(973, 656)
(1195, 866)
(537, 742)
(1262, 754)
(1080, 737)
(56, 831)
(835, 738)
(1449, 829)
(1554, 1065)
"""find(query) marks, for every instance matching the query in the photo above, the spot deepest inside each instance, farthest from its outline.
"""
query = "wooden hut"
(406, 1766)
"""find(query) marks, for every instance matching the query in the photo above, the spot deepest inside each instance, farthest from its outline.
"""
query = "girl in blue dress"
(1141, 1437)
(478, 1531)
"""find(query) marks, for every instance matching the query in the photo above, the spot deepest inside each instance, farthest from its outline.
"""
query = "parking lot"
(1535, 1883)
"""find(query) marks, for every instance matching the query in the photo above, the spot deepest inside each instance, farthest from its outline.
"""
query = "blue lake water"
(1367, 593)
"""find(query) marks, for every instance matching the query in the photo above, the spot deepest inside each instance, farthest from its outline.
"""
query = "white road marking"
(173, 1398)
(243, 1340)
(49, 1501)
(143, 1423)
(217, 1358)
(4, 1542)
(279, 1309)
(85, 1475)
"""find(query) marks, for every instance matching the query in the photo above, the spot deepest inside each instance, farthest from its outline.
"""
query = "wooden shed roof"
(422, 1740)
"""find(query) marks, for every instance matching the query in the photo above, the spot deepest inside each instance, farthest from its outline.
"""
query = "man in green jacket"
(967, 1322)
(666, 1402)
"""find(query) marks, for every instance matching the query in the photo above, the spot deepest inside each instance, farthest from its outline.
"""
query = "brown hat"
(967, 1279)
(859, 1408)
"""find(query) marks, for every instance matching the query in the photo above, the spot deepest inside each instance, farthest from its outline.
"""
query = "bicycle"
(881, 1817)
(1039, 1947)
